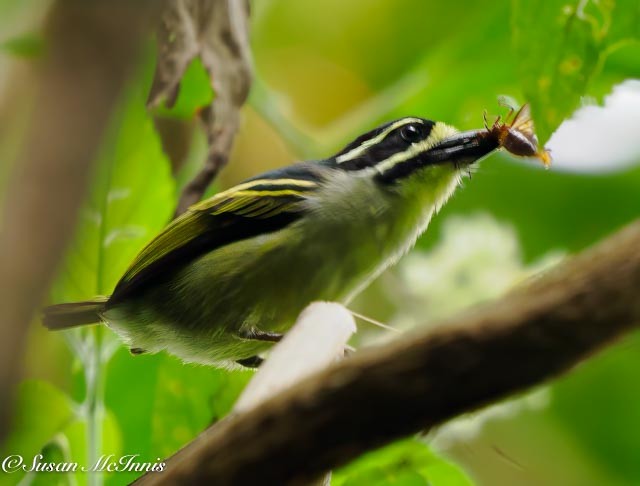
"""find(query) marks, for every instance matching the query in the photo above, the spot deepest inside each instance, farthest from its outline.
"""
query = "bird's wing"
(256, 207)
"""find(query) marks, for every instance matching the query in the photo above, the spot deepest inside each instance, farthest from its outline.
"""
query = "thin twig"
(217, 32)
(425, 378)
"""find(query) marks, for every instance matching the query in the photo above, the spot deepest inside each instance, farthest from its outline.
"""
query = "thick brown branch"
(90, 48)
(424, 379)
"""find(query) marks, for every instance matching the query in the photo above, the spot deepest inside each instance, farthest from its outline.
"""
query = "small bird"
(223, 282)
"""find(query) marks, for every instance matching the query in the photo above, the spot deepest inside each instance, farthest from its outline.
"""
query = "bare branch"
(316, 340)
(424, 379)
(216, 31)
(90, 48)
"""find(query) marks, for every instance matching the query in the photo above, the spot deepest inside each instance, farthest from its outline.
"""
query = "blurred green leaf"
(27, 46)
(130, 200)
(162, 403)
(53, 453)
(561, 46)
(130, 388)
(550, 210)
(189, 398)
(42, 411)
(195, 92)
(407, 462)
(76, 434)
(598, 404)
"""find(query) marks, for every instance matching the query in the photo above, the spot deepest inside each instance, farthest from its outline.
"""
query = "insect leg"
(518, 113)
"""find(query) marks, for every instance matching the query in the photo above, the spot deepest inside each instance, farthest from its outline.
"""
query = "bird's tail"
(72, 314)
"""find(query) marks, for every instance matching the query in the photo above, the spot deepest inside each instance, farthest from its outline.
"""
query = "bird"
(225, 280)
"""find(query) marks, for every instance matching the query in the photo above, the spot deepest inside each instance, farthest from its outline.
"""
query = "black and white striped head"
(397, 151)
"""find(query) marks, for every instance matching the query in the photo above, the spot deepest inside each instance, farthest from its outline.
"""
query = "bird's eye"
(411, 133)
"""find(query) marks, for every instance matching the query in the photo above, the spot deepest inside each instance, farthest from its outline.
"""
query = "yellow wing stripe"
(241, 189)
(179, 231)
(275, 193)
(245, 202)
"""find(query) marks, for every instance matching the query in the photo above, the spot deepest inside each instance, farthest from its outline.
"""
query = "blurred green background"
(327, 70)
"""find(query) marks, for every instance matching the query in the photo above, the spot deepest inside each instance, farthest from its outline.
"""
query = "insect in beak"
(517, 135)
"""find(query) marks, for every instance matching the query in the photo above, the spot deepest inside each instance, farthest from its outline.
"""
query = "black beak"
(463, 148)
(460, 150)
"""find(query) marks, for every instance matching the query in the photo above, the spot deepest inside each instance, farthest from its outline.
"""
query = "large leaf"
(406, 463)
(76, 447)
(130, 388)
(42, 411)
(130, 201)
(598, 405)
(189, 398)
(562, 45)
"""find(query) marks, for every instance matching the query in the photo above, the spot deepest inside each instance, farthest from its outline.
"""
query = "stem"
(94, 404)
(94, 371)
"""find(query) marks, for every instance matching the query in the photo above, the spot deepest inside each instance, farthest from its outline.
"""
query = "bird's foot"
(252, 362)
(256, 335)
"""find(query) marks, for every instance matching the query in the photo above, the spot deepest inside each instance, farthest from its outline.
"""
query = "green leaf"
(42, 411)
(129, 394)
(53, 453)
(195, 92)
(131, 199)
(26, 46)
(598, 405)
(538, 203)
(562, 46)
(407, 462)
(162, 403)
(77, 450)
(189, 398)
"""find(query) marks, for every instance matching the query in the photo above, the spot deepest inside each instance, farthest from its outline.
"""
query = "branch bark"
(424, 379)
(90, 48)
(217, 32)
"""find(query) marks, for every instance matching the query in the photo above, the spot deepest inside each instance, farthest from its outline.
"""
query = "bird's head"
(415, 154)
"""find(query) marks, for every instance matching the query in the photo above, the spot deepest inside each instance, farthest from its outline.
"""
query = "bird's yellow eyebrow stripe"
(439, 132)
(360, 149)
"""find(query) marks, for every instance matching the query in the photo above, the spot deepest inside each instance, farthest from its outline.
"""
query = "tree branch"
(424, 379)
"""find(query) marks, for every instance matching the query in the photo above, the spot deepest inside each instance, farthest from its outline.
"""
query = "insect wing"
(523, 123)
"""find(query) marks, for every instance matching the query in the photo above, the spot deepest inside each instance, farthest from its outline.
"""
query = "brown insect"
(516, 134)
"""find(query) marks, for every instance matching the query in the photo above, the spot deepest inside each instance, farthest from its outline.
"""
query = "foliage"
(326, 72)
(405, 463)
